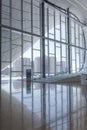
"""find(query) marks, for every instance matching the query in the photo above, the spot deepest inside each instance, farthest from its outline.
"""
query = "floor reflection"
(37, 106)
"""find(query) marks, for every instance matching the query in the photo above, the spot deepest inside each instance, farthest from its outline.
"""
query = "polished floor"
(37, 106)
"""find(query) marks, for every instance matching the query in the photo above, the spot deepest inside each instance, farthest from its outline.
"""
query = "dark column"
(0, 59)
(0, 46)
(43, 101)
(43, 40)
(68, 31)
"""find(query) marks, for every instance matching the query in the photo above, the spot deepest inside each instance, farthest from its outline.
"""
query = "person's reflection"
(28, 86)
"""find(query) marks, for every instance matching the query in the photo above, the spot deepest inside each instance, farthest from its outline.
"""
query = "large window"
(65, 42)
(42, 40)
(22, 40)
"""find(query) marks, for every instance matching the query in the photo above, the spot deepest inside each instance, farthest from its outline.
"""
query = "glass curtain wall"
(20, 49)
(56, 45)
(21, 52)
(77, 45)
(65, 44)
(21, 40)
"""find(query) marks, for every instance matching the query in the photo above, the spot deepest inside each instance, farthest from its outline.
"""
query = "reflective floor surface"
(37, 106)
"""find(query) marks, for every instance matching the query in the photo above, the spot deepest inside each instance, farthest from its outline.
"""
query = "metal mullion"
(70, 106)
(32, 62)
(32, 35)
(68, 31)
(10, 48)
(77, 106)
(40, 39)
(36, 49)
(32, 105)
(6, 42)
(75, 47)
(5, 5)
(63, 21)
(28, 2)
(49, 102)
(16, 19)
(27, 97)
(68, 112)
(80, 57)
(57, 47)
(56, 104)
(5, 61)
(6, 37)
(57, 29)
(60, 46)
(48, 37)
(79, 49)
(16, 45)
(14, 8)
(43, 39)
(10, 62)
(63, 40)
(25, 65)
(0, 62)
(62, 104)
(67, 106)
(16, 93)
(54, 42)
(35, 26)
(51, 54)
(5, 12)
(35, 6)
(51, 34)
(79, 46)
(50, 14)
(81, 106)
(85, 110)
(15, 39)
(4, 16)
(66, 41)
(19, 30)
(26, 41)
(16, 71)
(41, 105)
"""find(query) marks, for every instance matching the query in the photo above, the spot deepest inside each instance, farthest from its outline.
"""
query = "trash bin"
(84, 79)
